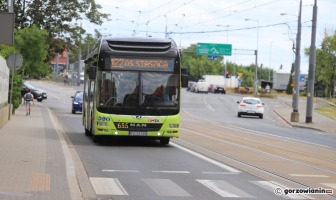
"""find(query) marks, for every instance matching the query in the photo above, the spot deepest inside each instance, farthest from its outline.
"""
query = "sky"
(269, 26)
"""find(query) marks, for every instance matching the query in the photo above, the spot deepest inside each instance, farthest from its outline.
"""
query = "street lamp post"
(295, 114)
(296, 89)
(270, 61)
(312, 66)
(255, 88)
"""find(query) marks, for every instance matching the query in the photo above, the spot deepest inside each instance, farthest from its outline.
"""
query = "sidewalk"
(35, 161)
(319, 122)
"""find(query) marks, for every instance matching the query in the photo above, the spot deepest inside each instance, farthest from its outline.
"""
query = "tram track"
(265, 155)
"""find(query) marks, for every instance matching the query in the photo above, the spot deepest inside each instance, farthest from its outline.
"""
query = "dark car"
(77, 101)
(37, 93)
(219, 89)
(44, 93)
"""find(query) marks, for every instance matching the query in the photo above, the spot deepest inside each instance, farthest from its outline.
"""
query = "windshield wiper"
(149, 100)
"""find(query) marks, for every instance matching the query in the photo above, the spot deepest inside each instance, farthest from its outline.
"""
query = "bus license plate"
(137, 133)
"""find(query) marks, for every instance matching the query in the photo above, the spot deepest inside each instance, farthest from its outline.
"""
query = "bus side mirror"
(91, 72)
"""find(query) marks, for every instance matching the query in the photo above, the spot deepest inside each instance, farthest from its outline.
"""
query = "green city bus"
(132, 88)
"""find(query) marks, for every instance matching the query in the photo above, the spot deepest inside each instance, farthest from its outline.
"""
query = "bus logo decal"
(153, 120)
(104, 118)
(137, 117)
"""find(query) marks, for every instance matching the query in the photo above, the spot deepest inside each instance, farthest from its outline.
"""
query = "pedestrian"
(268, 88)
(28, 99)
(66, 79)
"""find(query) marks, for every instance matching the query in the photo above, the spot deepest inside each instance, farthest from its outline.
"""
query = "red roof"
(61, 59)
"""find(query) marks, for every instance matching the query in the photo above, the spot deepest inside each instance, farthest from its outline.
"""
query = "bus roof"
(138, 39)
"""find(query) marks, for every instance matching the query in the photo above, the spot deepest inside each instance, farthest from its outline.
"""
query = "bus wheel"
(164, 140)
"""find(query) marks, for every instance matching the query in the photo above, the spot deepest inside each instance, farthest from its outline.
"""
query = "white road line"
(309, 175)
(172, 172)
(276, 187)
(219, 173)
(206, 103)
(166, 187)
(107, 186)
(221, 165)
(332, 185)
(224, 189)
(112, 170)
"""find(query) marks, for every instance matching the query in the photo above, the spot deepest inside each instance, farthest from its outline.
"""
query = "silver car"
(251, 106)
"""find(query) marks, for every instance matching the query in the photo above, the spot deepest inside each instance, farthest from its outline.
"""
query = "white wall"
(4, 81)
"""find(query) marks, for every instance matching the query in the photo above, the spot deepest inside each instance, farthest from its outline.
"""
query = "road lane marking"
(332, 185)
(221, 165)
(172, 172)
(206, 103)
(276, 187)
(107, 186)
(219, 173)
(224, 189)
(166, 187)
(113, 170)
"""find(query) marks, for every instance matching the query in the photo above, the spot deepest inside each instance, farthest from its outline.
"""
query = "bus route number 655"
(122, 125)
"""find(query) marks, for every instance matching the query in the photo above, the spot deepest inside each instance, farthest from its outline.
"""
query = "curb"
(295, 125)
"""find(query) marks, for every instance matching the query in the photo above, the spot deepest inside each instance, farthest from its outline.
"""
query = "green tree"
(198, 65)
(289, 88)
(57, 17)
(17, 84)
(31, 43)
(326, 64)
(5, 51)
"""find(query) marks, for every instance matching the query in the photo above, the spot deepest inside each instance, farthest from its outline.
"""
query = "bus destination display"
(142, 64)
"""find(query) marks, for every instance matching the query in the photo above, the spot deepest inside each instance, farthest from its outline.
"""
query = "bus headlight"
(102, 124)
(173, 125)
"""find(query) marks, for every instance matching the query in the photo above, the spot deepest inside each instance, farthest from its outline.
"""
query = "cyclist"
(28, 97)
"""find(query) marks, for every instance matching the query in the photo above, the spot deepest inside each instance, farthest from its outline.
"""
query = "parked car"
(218, 89)
(202, 86)
(37, 93)
(251, 106)
(77, 101)
(210, 88)
(190, 85)
(44, 93)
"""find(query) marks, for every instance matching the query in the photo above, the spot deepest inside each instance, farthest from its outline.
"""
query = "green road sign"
(214, 49)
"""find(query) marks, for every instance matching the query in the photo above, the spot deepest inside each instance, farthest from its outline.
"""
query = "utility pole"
(312, 65)
(10, 6)
(296, 90)
(255, 85)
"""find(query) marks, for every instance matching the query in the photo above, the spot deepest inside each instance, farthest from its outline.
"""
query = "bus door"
(90, 107)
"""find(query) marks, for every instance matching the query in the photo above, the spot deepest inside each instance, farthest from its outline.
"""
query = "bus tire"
(164, 140)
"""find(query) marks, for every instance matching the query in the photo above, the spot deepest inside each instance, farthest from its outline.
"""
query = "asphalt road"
(217, 156)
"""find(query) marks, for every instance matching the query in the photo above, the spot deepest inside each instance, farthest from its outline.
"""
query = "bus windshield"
(138, 92)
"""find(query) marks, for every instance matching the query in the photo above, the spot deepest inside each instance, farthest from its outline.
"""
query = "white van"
(202, 86)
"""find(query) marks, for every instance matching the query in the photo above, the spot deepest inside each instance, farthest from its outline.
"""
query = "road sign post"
(14, 62)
